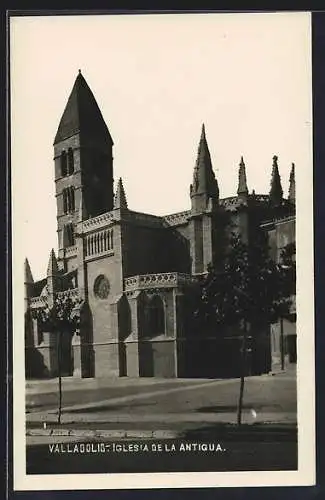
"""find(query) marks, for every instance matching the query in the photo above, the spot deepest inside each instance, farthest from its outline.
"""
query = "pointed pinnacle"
(276, 192)
(204, 180)
(120, 197)
(28, 273)
(203, 145)
(275, 169)
(52, 268)
(242, 181)
(292, 184)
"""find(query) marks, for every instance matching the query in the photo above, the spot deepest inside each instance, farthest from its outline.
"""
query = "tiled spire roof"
(82, 114)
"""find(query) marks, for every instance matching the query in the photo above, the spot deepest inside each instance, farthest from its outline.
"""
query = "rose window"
(101, 287)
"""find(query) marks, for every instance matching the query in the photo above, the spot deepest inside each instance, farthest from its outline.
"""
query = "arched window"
(156, 316)
(72, 200)
(105, 241)
(68, 199)
(70, 161)
(70, 235)
(65, 201)
(64, 170)
(124, 318)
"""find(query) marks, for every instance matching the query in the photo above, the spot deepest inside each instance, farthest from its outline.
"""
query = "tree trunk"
(242, 376)
(282, 343)
(60, 376)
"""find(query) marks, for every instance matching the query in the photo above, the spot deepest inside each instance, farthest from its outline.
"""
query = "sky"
(156, 79)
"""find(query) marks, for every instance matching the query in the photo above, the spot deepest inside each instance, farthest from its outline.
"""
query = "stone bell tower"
(83, 163)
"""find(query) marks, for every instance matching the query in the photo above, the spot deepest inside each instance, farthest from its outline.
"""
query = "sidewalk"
(44, 427)
(262, 432)
(130, 418)
(158, 426)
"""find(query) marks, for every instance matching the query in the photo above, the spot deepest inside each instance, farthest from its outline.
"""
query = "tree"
(287, 270)
(62, 317)
(247, 289)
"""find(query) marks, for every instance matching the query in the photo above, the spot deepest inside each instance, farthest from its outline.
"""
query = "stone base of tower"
(144, 358)
(106, 357)
(159, 357)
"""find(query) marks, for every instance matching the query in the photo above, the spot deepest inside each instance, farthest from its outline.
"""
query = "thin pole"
(60, 377)
(242, 377)
(282, 343)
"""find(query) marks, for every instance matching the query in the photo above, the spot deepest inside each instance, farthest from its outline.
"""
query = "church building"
(133, 271)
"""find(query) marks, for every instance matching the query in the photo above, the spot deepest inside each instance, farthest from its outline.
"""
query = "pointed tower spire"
(28, 273)
(52, 268)
(81, 114)
(292, 185)
(120, 197)
(205, 185)
(276, 192)
(242, 181)
(203, 132)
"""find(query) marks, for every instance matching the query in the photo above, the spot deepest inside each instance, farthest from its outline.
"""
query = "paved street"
(196, 400)
(45, 396)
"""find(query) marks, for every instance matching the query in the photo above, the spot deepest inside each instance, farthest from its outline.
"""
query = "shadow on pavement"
(108, 407)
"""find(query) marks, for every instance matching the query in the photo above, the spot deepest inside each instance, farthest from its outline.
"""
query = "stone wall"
(153, 250)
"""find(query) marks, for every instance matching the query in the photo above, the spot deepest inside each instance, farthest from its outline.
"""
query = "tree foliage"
(62, 316)
(250, 286)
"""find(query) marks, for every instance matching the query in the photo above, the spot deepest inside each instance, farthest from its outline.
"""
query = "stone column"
(196, 243)
(275, 348)
(76, 352)
(50, 352)
(207, 241)
(133, 342)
